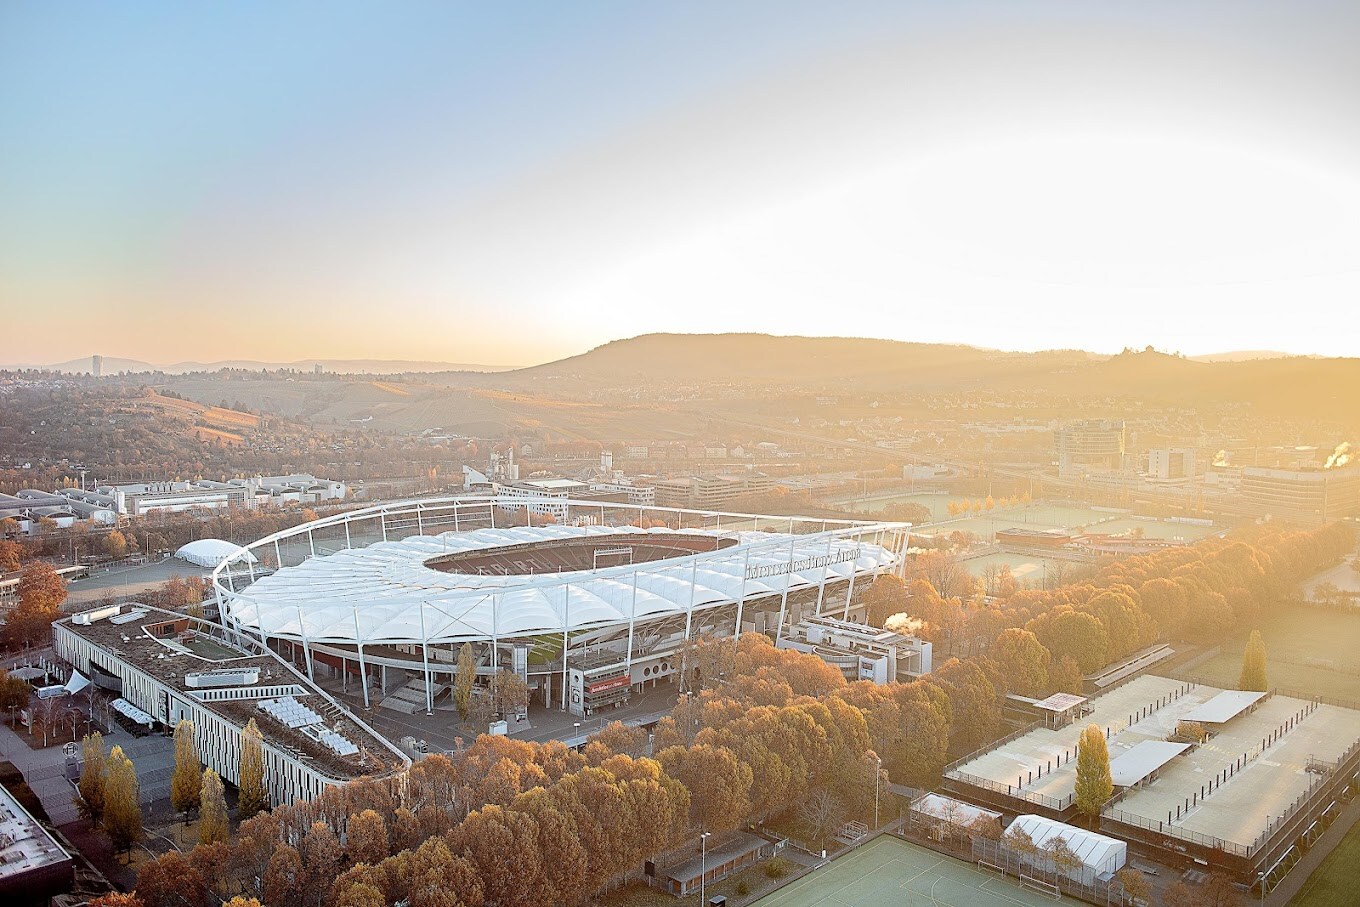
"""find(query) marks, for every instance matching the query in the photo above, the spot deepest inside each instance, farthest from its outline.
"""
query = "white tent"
(211, 552)
(1099, 854)
(77, 682)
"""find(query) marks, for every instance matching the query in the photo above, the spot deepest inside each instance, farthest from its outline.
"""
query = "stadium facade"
(587, 608)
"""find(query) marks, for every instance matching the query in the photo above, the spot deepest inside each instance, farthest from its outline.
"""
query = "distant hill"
(1244, 356)
(1294, 386)
(763, 358)
(114, 366)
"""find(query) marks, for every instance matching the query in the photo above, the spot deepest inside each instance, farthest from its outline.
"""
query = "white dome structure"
(212, 552)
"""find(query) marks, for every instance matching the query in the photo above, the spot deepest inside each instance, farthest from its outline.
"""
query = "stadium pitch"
(890, 872)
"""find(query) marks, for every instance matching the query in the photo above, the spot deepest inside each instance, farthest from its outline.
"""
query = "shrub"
(777, 868)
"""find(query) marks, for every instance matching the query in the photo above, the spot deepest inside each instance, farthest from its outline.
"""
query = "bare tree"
(821, 813)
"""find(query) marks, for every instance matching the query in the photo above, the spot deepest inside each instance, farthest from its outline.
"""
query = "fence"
(996, 856)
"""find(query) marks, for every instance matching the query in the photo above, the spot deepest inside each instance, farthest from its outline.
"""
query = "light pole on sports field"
(703, 863)
(878, 773)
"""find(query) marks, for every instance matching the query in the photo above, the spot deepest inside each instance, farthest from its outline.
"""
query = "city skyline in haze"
(513, 186)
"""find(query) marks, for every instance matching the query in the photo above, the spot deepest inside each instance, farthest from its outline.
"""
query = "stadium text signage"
(807, 563)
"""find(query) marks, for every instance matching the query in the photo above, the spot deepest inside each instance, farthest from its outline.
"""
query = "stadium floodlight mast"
(703, 863)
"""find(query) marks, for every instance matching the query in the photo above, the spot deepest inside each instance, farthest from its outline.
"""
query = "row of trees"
(109, 796)
(1044, 641)
(510, 822)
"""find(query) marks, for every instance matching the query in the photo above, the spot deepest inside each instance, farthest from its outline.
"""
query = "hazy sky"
(510, 183)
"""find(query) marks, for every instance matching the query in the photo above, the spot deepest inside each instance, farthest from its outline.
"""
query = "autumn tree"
(321, 858)
(93, 775)
(1065, 676)
(117, 899)
(465, 677)
(718, 782)
(509, 693)
(114, 544)
(252, 795)
(186, 783)
(284, 879)
(1253, 676)
(366, 838)
(886, 596)
(1134, 883)
(1094, 786)
(122, 816)
(170, 881)
(41, 592)
(213, 825)
(1022, 660)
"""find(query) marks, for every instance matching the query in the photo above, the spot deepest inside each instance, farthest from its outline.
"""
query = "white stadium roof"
(384, 593)
(211, 552)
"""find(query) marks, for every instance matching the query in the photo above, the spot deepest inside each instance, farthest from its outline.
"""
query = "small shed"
(737, 852)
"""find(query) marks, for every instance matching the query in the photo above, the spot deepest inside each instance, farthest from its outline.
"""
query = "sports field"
(890, 872)
(1308, 649)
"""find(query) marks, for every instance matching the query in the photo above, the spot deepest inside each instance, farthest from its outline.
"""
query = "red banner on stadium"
(603, 686)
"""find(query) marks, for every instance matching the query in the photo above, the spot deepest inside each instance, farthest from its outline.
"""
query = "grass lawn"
(1309, 650)
(1336, 883)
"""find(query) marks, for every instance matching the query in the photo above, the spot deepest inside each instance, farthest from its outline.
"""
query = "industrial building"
(1088, 445)
(139, 499)
(1171, 464)
(706, 492)
(1303, 495)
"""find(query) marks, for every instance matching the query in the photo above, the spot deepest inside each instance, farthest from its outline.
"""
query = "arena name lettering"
(807, 563)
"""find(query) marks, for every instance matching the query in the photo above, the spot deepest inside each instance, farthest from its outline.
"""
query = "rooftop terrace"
(170, 647)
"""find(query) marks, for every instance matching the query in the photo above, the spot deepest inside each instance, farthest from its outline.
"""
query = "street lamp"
(878, 772)
(703, 863)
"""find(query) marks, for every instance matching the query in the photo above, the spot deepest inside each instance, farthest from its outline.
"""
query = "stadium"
(586, 605)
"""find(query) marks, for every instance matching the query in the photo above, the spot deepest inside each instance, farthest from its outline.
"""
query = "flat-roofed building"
(860, 651)
(1303, 495)
(1090, 444)
(32, 864)
(166, 667)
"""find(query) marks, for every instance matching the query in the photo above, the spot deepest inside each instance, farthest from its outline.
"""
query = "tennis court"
(890, 872)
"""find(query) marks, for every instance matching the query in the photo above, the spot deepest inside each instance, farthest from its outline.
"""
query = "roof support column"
(306, 646)
(632, 619)
(425, 661)
(495, 636)
(826, 571)
(741, 601)
(566, 623)
(278, 556)
(850, 586)
(420, 519)
(382, 521)
(455, 515)
(788, 580)
(359, 644)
